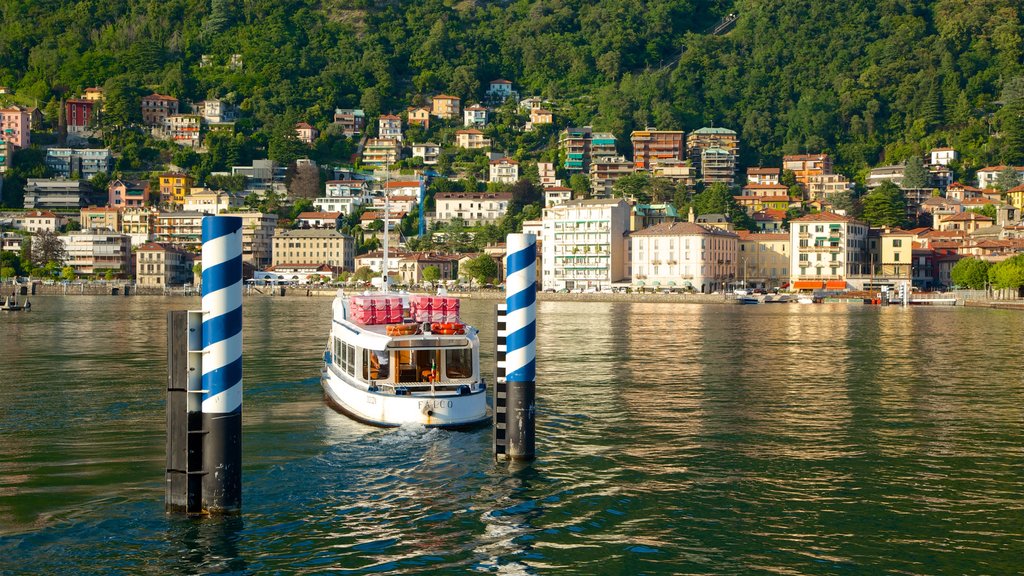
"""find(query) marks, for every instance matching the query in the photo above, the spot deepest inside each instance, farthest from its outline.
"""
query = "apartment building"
(700, 140)
(445, 106)
(504, 170)
(351, 120)
(128, 193)
(806, 165)
(476, 208)
(652, 146)
(605, 171)
(382, 151)
(156, 108)
(174, 187)
(471, 139)
(159, 265)
(97, 252)
(474, 116)
(685, 255)
(763, 259)
(826, 250)
(717, 165)
(584, 244)
(81, 163)
(314, 247)
(390, 126)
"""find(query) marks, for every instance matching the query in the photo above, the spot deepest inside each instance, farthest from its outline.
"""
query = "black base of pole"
(222, 463)
(521, 430)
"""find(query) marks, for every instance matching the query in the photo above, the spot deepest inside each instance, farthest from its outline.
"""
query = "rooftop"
(682, 229)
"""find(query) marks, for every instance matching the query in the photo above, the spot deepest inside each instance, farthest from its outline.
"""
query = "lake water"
(672, 438)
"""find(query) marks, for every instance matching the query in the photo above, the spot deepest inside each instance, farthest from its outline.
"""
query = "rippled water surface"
(672, 438)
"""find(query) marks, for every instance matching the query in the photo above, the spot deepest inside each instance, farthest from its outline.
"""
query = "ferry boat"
(394, 359)
(385, 368)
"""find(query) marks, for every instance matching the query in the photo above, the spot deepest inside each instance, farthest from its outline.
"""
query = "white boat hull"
(390, 410)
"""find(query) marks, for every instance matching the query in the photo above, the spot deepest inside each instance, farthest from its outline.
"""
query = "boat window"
(459, 363)
(376, 364)
(419, 365)
(337, 352)
(350, 359)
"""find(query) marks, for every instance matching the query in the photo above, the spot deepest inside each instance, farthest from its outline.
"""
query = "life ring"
(401, 329)
(447, 328)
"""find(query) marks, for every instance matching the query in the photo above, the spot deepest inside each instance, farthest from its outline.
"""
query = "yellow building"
(174, 187)
(892, 253)
(763, 259)
(1016, 196)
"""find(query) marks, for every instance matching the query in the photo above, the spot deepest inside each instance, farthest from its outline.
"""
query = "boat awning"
(671, 282)
(835, 285)
(640, 283)
(808, 285)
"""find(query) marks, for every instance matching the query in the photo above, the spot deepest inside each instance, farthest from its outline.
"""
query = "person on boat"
(379, 361)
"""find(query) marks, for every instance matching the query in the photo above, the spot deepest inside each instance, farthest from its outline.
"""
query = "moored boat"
(396, 359)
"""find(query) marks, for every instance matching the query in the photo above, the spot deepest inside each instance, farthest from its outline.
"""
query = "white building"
(584, 244)
(211, 201)
(471, 139)
(257, 237)
(504, 170)
(989, 175)
(428, 151)
(546, 172)
(943, 156)
(297, 248)
(390, 126)
(500, 90)
(827, 186)
(475, 208)
(474, 116)
(826, 250)
(555, 195)
(684, 255)
(216, 111)
(98, 251)
(763, 175)
(343, 196)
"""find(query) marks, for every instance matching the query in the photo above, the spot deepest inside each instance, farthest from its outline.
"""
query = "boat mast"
(387, 210)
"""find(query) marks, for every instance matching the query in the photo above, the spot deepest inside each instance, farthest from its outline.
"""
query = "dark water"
(672, 439)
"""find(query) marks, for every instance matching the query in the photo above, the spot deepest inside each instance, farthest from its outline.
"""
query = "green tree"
(483, 269)
(363, 274)
(67, 273)
(717, 199)
(1008, 274)
(971, 273)
(580, 185)
(431, 274)
(47, 247)
(1007, 178)
(885, 206)
(915, 175)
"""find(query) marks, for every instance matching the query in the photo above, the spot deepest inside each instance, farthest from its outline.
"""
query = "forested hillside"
(868, 80)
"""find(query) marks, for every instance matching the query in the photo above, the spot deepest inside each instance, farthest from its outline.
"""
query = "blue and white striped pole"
(222, 364)
(521, 345)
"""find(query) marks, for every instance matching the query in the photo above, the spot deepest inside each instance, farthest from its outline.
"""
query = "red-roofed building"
(445, 106)
(158, 265)
(78, 114)
(964, 221)
(989, 175)
(961, 192)
(476, 208)
(504, 170)
(306, 133)
(763, 176)
(156, 108)
(770, 220)
(319, 220)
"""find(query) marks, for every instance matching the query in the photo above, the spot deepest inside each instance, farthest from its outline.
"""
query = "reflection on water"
(673, 438)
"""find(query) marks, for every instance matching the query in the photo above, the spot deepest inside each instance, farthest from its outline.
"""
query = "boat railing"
(441, 386)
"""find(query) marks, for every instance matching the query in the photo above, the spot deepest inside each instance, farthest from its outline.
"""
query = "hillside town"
(670, 210)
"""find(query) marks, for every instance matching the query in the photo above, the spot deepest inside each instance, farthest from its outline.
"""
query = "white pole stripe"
(220, 354)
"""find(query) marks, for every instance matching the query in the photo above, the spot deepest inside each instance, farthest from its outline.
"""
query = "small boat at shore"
(394, 359)
(11, 305)
(805, 300)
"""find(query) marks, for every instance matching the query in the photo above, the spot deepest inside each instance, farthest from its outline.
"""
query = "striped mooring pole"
(520, 351)
(204, 400)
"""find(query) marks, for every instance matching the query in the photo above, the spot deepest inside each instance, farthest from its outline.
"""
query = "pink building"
(306, 132)
(128, 193)
(77, 114)
(157, 107)
(15, 123)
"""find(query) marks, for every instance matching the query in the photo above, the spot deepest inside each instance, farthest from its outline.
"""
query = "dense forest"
(870, 81)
